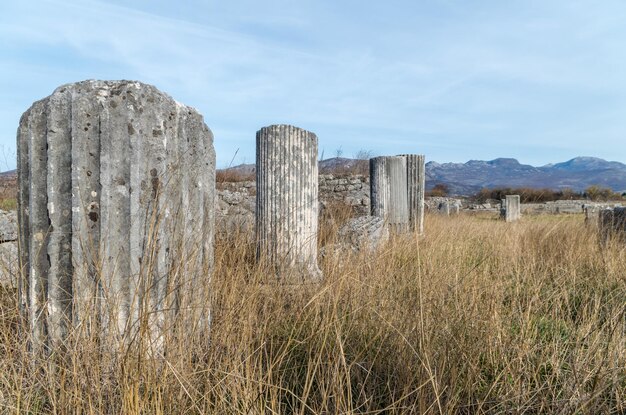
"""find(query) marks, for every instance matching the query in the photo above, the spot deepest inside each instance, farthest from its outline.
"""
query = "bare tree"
(364, 154)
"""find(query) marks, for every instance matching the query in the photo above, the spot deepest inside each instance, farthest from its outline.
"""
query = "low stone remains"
(364, 233)
(353, 191)
(612, 224)
(287, 200)
(444, 208)
(397, 191)
(8, 248)
(8, 226)
(592, 214)
(449, 207)
(116, 191)
(511, 208)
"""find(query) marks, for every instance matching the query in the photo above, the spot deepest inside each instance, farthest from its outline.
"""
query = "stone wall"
(352, 190)
(8, 247)
(236, 200)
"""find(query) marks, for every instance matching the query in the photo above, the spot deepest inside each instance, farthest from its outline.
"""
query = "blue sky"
(541, 81)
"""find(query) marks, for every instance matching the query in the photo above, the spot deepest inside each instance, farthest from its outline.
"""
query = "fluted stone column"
(287, 200)
(512, 208)
(116, 209)
(397, 191)
(389, 191)
(416, 183)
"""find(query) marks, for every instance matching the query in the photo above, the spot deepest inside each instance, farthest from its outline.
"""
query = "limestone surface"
(397, 186)
(389, 194)
(511, 208)
(287, 200)
(8, 226)
(416, 185)
(8, 264)
(612, 224)
(364, 233)
(116, 190)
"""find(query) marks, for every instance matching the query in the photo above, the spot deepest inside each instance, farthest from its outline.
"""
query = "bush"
(601, 193)
(527, 194)
(232, 175)
(532, 195)
(439, 190)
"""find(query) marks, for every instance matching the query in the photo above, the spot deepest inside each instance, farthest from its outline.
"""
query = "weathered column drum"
(116, 212)
(287, 200)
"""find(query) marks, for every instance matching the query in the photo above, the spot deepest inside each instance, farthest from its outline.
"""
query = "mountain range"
(468, 178)
(576, 174)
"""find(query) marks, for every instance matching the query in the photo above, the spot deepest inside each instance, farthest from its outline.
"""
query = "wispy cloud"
(451, 79)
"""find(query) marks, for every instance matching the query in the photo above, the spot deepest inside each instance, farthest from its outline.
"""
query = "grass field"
(8, 204)
(479, 316)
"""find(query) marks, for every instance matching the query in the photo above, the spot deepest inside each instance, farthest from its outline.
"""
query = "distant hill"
(468, 178)
(332, 165)
(577, 174)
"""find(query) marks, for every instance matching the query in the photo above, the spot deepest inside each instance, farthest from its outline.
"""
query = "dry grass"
(8, 204)
(478, 317)
(233, 176)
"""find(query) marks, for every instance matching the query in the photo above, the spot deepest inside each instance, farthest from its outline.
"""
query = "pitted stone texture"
(397, 191)
(116, 187)
(8, 264)
(511, 211)
(287, 200)
(416, 184)
(612, 224)
(446, 206)
(8, 226)
(389, 194)
(592, 214)
(364, 233)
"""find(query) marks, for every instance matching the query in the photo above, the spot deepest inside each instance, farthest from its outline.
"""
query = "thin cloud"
(452, 79)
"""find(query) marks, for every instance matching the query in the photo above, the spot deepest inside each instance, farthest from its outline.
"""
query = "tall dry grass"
(479, 316)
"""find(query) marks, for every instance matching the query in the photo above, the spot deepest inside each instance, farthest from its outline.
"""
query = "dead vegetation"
(480, 316)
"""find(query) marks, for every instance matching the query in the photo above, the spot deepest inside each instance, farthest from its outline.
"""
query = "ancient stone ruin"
(364, 233)
(416, 185)
(397, 191)
(389, 196)
(612, 224)
(449, 207)
(592, 214)
(511, 208)
(8, 247)
(116, 208)
(287, 200)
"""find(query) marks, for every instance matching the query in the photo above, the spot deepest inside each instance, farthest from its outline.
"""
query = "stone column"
(287, 200)
(605, 224)
(612, 224)
(416, 183)
(389, 191)
(591, 215)
(455, 207)
(116, 209)
(512, 209)
(444, 208)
